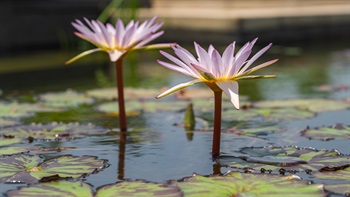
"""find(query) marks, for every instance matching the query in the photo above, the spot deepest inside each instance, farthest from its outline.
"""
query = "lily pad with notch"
(337, 131)
(52, 131)
(290, 159)
(30, 169)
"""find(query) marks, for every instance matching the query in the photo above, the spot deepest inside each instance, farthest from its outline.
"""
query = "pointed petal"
(82, 55)
(231, 90)
(256, 77)
(175, 68)
(263, 65)
(255, 57)
(114, 55)
(178, 87)
(227, 58)
(217, 64)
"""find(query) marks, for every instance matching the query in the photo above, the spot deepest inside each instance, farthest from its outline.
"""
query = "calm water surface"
(167, 152)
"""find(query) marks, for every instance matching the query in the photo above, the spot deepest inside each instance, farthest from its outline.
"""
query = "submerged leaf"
(28, 169)
(65, 99)
(138, 188)
(54, 189)
(314, 105)
(337, 131)
(290, 159)
(242, 184)
(52, 131)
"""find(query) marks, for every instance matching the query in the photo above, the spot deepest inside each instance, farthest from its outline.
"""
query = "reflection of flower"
(220, 73)
(118, 40)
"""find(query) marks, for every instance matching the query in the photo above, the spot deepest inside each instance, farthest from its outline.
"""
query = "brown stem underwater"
(121, 102)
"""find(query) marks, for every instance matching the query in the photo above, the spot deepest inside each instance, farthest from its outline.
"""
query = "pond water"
(157, 149)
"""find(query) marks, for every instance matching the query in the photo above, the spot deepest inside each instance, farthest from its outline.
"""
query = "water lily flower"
(117, 41)
(219, 72)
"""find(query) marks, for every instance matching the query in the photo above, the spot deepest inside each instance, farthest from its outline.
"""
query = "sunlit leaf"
(52, 131)
(164, 106)
(129, 93)
(29, 169)
(65, 99)
(343, 189)
(284, 114)
(9, 141)
(264, 130)
(337, 131)
(290, 159)
(343, 174)
(131, 107)
(138, 188)
(15, 150)
(18, 110)
(314, 105)
(54, 189)
(242, 184)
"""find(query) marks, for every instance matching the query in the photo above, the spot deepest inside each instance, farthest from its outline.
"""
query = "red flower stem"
(121, 103)
(217, 123)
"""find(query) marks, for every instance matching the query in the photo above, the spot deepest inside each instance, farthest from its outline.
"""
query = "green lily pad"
(132, 108)
(52, 131)
(129, 93)
(55, 189)
(343, 174)
(9, 141)
(7, 122)
(15, 150)
(264, 130)
(29, 169)
(19, 110)
(290, 159)
(343, 189)
(337, 131)
(314, 105)
(242, 184)
(138, 188)
(65, 99)
(164, 106)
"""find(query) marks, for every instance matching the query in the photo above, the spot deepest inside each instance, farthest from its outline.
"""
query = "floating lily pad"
(65, 99)
(337, 131)
(6, 122)
(129, 93)
(15, 150)
(9, 141)
(269, 114)
(314, 105)
(164, 106)
(343, 189)
(242, 184)
(52, 131)
(342, 174)
(286, 159)
(138, 188)
(255, 131)
(55, 188)
(19, 110)
(112, 108)
(29, 169)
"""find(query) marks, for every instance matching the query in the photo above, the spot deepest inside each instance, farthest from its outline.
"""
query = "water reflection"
(121, 161)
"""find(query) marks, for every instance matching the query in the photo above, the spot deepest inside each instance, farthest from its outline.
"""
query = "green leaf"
(15, 150)
(19, 110)
(189, 119)
(65, 99)
(28, 169)
(314, 105)
(52, 131)
(290, 159)
(343, 174)
(9, 141)
(7, 122)
(164, 106)
(343, 189)
(54, 189)
(129, 93)
(133, 108)
(337, 131)
(138, 188)
(241, 184)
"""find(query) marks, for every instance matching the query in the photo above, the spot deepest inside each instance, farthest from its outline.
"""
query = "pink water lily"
(219, 72)
(119, 39)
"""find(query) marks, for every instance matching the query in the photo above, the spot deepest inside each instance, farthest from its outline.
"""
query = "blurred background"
(36, 36)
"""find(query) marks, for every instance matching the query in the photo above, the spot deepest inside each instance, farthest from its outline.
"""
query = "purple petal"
(174, 67)
(255, 57)
(231, 90)
(227, 58)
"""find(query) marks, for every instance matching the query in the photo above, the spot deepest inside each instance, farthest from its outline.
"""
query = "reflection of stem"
(217, 123)
(217, 169)
(121, 161)
(122, 116)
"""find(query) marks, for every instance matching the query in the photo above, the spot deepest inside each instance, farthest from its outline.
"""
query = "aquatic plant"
(117, 41)
(220, 73)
